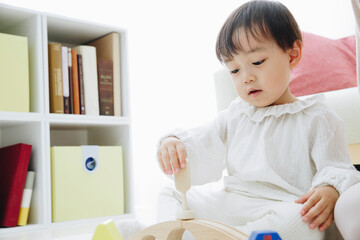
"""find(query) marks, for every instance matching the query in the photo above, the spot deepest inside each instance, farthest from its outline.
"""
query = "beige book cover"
(14, 73)
(86, 182)
(90, 78)
(108, 47)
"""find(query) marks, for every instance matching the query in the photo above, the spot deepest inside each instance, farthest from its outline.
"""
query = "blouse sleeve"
(330, 154)
(206, 149)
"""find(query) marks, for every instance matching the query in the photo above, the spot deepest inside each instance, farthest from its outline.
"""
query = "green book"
(14, 73)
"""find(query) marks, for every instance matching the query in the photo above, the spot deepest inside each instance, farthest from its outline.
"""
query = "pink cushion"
(326, 65)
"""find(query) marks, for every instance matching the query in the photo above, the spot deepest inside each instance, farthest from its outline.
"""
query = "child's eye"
(234, 71)
(259, 62)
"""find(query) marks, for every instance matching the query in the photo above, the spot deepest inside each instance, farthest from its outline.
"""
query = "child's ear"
(295, 54)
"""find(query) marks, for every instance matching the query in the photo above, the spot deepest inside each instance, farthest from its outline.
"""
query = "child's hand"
(171, 155)
(318, 207)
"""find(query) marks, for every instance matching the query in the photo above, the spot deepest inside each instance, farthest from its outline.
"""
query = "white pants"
(347, 213)
(245, 213)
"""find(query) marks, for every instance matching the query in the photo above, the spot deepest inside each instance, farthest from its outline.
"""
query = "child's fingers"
(166, 161)
(309, 208)
(173, 157)
(321, 213)
(304, 197)
(181, 154)
(327, 223)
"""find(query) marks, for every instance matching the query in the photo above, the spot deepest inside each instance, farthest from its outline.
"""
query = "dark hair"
(259, 19)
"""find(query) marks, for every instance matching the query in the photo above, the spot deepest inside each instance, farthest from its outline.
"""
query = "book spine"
(90, 76)
(105, 85)
(26, 199)
(75, 81)
(81, 85)
(65, 78)
(71, 97)
(108, 47)
(117, 74)
(55, 78)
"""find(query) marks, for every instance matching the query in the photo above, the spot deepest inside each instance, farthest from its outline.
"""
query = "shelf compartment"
(73, 32)
(30, 133)
(103, 135)
(28, 24)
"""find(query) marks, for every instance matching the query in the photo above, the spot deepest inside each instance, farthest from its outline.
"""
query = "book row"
(86, 79)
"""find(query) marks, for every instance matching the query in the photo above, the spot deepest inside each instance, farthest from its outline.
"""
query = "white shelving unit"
(42, 129)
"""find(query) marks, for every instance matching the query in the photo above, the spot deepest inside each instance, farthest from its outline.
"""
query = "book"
(106, 90)
(108, 47)
(75, 81)
(14, 73)
(71, 98)
(86, 182)
(55, 78)
(26, 199)
(89, 70)
(65, 78)
(14, 162)
(81, 85)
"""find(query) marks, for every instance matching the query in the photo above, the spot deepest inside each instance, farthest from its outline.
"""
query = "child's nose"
(249, 77)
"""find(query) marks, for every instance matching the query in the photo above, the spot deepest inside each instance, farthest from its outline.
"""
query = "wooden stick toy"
(183, 184)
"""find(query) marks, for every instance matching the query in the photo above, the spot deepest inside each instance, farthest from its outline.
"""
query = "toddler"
(287, 159)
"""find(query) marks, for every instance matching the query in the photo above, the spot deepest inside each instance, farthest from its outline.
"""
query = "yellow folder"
(14, 74)
(86, 181)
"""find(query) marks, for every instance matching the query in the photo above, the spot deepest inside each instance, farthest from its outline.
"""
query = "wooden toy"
(106, 231)
(201, 229)
(183, 184)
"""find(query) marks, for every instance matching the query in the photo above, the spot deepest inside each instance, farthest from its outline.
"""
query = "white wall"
(172, 61)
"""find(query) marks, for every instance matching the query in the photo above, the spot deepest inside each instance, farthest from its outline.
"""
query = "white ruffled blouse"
(278, 152)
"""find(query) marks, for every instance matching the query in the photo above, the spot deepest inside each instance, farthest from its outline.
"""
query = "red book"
(14, 162)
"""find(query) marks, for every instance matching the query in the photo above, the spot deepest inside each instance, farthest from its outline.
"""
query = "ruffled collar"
(257, 114)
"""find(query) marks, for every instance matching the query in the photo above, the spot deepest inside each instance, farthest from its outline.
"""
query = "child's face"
(261, 73)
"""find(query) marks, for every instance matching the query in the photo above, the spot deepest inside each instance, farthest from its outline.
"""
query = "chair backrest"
(224, 89)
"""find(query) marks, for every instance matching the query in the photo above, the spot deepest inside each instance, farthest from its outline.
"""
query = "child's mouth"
(254, 93)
